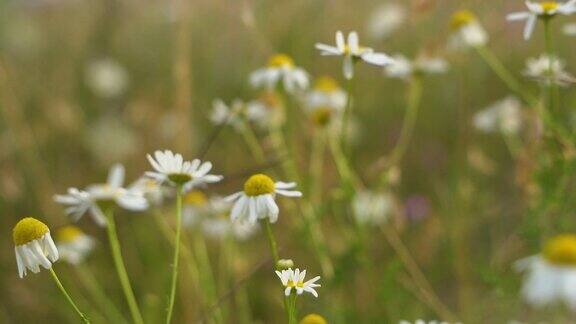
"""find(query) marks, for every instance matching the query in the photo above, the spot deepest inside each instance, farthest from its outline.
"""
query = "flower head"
(107, 78)
(280, 70)
(505, 115)
(543, 10)
(170, 167)
(224, 114)
(34, 246)
(466, 30)
(73, 244)
(352, 52)
(326, 101)
(256, 201)
(544, 71)
(266, 110)
(372, 207)
(294, 280)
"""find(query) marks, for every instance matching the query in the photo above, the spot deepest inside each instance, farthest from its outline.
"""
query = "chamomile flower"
(466, 31)
(107, 78)
(353, 52)
(539, 69)
(73, 244)
(551, 275)
(543, 10)
(280, 70)
(294, 280)
(196, 206)
(256, 201)
(34, 246)
(504, 115)
(267, 110)
(150, 189)
(326, 95)
(403, 68)
(80, 202)
(172, 168)
(224, 114)
(372, 207)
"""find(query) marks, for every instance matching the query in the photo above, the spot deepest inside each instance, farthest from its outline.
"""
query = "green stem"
(347, 114)
(553, 99)
(120, 267)
(176, 254)
(253, 144)
(316, 166)
(292, 316)
(68, 298)
(271, 240)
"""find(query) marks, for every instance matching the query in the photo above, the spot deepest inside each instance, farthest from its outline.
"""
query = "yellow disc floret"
(326, 84)
(313, 319)
(549, 6)
(462, 18)
(561, 250)
(68, 234)
(259, 184)
(195, 198)
(28, 229)
(280, 60)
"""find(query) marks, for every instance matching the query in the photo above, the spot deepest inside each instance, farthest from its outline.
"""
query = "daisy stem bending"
(176, 254)
(120, 267)
(68, 298)
(553, 97)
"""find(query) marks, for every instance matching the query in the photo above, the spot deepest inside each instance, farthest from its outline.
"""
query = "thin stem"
(347, 113)
(253, 144)
(292, 316)
(121, 268)
(68, 298)
(316, 166)
(553, 99)
(271, 240)
(176, 254)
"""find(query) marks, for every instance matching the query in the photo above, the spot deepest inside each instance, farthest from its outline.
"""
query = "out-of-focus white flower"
(539, 69)
(294, 279)
(504, 115)
(403, 68)
(466, 31)
(79, 202)
(266, 111)
(170, 167)
(111, 130)
(73, 244)
(219, 228)
(551, 275)
(385, 20)
(256, 201)
(106, 78)
(569, 29)
(195, 208)
(545, 10)
(280, 70)
(325, 102)
(34, 246)
(352, 52)
(224, 114)
(150, 189)
(372, 207)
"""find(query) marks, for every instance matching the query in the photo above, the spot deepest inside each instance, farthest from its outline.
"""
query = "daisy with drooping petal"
(34, 246)
(256, 201)
(81, 201)
(403, 68)
(539, 69)
(505, 116)
(551, 275)
(294, 280)
(170, 167)
(224, 114)
(73, 244)
(466, 31)
(352, 52)
(280, 70)
(543, 10)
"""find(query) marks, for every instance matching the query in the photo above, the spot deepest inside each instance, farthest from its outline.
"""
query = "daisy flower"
(196, 206)
(266, 111)
(34, 246)
(170, 167)
(372, 207)
(294, 279)
(504, 115)
(551, 275)
(90, 200)
(73, 244)
(466, 31)
(224, 114)
(325, 101)
(256, 201)
(280, 70)
(150, 189)
(403, 68)
(353, 52)
(543, 10)
(539, 70)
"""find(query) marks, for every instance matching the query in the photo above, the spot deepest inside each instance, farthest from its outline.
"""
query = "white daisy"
(107, 78)
(294, 279)
(280, 70)
(504, 115)
(551, 276)
(466, 31)
(81, 201)
(73, 244)
(170, 167)
(352, 52)
(539, 70)
(325, 101)
(403, 68)
(33, 246)
(256, 201)
(224, 114)
(544, 10)
(372, 207)
(150, 189)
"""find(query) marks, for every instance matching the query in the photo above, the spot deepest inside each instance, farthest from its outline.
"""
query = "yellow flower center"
(68, 234)
(28, 229)
(561, 250)
(549, 6)
(293, 284)
(313, 319)
(321, 116)
(462, 18)
(326, 84)
(195, 198)
(259, 184)
(281, 60)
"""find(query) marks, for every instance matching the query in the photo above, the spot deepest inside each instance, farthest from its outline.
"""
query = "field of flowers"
(287, 161)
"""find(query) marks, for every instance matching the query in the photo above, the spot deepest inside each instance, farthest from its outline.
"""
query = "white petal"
(353, 42)
(340, 44)
(529, 28)
(518, 16)
(327, 49)
(116, 176)
(289, 193)
(379, 59)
